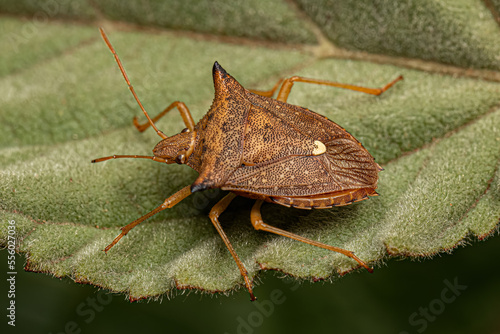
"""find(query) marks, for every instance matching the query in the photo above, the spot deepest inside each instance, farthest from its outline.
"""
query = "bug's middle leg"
(214, 215)
(258, 224)
(183, 109)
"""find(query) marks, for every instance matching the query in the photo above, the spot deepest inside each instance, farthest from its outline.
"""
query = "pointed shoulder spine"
(219, 71)
(224, 83)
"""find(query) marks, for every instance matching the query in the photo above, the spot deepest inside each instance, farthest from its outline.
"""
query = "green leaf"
(458, 32)
(65, 103)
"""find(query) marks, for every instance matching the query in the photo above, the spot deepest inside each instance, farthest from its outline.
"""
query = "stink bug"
(266, 149)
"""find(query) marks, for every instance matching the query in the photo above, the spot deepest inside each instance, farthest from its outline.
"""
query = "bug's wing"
(286, 166)
(301, 120)
(345, 165)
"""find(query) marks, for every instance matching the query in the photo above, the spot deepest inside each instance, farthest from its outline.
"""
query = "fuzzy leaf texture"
(64, 103)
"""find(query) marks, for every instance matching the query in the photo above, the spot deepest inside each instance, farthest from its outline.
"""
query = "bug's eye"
(185, 130)
(180, 159)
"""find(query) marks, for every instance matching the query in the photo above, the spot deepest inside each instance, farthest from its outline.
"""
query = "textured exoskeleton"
(266, 149)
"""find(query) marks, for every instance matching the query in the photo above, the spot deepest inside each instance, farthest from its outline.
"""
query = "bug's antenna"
(154, 158)
(108, 43)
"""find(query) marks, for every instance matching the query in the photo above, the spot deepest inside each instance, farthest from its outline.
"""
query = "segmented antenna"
(108, 43)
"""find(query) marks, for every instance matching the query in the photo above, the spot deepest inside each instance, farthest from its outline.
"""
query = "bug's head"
(176, 149)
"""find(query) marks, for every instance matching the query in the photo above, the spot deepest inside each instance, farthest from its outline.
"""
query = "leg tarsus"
(168, 203)
(258, 224)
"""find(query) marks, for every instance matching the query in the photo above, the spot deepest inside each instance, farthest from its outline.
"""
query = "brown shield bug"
(266, 149)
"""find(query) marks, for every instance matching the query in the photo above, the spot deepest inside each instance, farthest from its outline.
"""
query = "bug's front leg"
(183, 110)
(258, 224)
(168, 203)
(267, 93)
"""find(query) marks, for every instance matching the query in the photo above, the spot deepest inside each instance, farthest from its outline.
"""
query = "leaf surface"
(65, 103)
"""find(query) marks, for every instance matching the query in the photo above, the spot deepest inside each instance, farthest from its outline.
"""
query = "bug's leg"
(169, 202)
(267, 93)
(214, 215)
(288, 83)
(259, 224)
(183, 109)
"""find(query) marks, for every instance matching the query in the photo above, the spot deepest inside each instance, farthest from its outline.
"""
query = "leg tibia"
(183, 109)
(214, 217)
(259, 224)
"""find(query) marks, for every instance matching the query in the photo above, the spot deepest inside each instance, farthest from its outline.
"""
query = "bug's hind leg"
(183, 109)
(214, 215)
(258, 224)
(287, 85)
